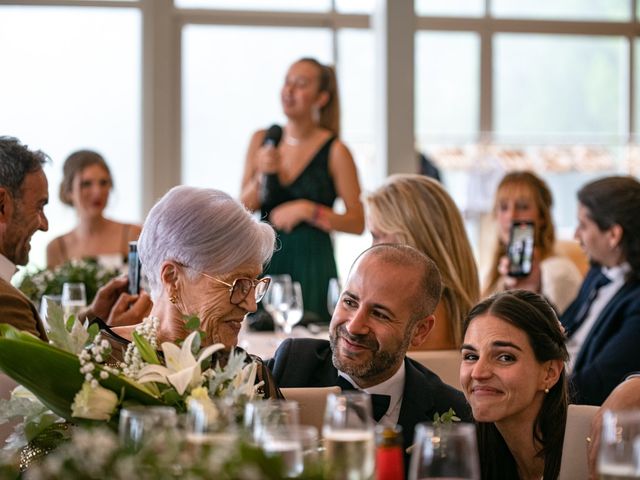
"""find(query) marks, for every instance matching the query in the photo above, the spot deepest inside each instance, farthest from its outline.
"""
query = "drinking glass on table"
(139, 423)
(293, 314)
(619, 454)
(333, 294)
(262, 414)
(74, 298)
(349, 437)
(210, 422)
(296, 445)
(278, 298)
(445, 451)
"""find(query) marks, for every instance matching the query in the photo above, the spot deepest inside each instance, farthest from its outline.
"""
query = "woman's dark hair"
(532, 314)
(73, 165)
(330, 112)
(616, 201)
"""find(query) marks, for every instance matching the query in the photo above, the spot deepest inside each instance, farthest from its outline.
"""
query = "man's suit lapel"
(601, 325)
(417, 402)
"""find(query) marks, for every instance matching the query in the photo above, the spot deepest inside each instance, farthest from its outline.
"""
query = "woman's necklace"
(292, 141)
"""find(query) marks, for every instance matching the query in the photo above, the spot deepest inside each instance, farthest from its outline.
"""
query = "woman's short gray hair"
(204, 229)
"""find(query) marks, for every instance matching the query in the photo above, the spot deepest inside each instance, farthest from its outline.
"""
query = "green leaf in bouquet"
(8, 331)
(147, 352)
(53, 375)
(93, 330)
(171, 397)
(192, 323)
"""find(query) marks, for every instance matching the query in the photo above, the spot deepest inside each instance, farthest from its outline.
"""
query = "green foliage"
(49, 282)
(53, 375)
(445, 418)
(96, 453)
(147, 352)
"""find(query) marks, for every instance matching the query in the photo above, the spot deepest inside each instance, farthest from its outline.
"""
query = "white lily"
(183, 369)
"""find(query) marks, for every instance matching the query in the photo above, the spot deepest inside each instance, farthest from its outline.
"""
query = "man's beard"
(381, 361)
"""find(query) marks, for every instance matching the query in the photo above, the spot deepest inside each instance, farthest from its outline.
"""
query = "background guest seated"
(295, 183)
(387, 304)
(513, 376)
(415, 210)
(523, 196)
(23, 196)
(202, 252)
(603, 323)
(85, 186)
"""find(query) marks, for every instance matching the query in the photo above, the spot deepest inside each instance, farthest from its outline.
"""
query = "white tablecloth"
(264, 344)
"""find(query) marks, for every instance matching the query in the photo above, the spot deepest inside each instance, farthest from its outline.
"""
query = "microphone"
(273, 135)
(270, 190)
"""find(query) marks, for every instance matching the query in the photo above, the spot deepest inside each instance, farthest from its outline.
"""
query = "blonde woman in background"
(523, 196)
(417, 211)
(86, 185)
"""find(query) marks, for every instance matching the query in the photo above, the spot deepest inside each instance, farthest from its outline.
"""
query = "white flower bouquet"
(75, 381)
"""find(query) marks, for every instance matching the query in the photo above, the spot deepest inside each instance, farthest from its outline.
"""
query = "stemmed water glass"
(276, 300)
(139, 423)
(349, 436)
(445, 451)
(619, 454)
(74, 298)
(333, 294)
(293, 314)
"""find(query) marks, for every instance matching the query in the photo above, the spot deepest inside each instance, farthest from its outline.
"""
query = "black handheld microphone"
(270, 183)
(273, 136)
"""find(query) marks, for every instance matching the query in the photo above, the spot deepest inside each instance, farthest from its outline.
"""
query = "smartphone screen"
(134, 269)
(520, 250)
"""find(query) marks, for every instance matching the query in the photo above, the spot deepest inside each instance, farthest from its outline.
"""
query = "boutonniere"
(439, 419)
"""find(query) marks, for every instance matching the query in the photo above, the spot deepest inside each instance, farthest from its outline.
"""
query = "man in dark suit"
(603, 322)
(23, 196)
(386, 306)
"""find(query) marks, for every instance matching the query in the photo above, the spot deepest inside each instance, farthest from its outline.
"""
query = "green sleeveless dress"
(306, 253)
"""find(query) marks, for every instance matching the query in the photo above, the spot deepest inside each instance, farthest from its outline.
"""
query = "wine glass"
(619, 454)
(278, 297)
(296, 445)
(262, 414)
(445, 451)
(74, 298)
(293, 314)
(349, 436)
(333, 294)
(138, 423)
(209, 421)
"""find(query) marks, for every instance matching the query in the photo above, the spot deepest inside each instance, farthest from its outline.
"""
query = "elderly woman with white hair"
(202, 253)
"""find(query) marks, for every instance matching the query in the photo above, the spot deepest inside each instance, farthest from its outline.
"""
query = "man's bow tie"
(379, 402)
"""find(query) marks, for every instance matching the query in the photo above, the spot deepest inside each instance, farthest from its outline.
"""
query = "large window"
(560, 87)
(228, 93)
(542, 84)
(70, 80)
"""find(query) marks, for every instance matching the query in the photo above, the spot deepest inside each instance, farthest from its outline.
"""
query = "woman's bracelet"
(316, 213)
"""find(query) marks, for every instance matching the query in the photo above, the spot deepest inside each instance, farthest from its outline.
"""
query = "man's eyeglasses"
(241, 287)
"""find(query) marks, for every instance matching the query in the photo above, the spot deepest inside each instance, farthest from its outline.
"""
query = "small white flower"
(95, 403)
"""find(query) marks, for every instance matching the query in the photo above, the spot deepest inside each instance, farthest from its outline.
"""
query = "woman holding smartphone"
(524, 197)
